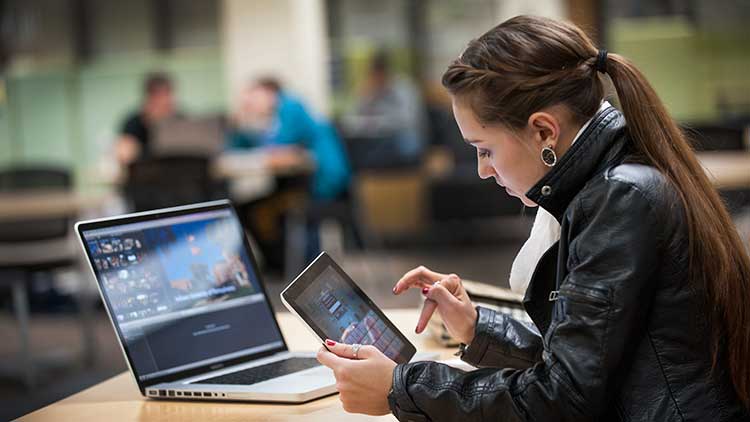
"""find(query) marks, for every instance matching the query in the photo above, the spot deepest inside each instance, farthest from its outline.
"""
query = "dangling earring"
(549, 158)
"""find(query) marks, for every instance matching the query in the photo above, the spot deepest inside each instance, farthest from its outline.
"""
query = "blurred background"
(323, 120)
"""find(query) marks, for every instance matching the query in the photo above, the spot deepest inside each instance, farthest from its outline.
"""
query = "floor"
(375, 272)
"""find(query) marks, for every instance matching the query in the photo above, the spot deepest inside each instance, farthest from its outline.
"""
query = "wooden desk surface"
(727, 169)
(263, 162)
(118, 399)
(46, 204)
(259, 162)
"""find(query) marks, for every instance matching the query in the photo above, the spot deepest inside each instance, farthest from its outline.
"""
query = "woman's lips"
(507, 189)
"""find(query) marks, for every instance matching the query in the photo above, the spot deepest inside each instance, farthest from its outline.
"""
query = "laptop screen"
(182, 291)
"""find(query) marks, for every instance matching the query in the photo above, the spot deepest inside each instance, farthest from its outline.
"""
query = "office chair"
(36, 245)
(166, 181)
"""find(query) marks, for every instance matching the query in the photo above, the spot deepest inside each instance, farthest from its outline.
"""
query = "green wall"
(71, 114)
(690, 68)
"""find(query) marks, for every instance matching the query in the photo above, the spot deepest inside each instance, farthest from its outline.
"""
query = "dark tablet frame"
(324, 261)
(224, 204)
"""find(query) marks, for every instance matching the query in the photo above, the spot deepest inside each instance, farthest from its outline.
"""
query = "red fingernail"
(425, 290)
(330, 342)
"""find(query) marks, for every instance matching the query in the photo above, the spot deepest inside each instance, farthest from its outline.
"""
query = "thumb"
(329, 359)
(347, 350)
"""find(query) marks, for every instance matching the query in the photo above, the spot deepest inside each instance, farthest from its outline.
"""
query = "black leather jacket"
(625, 336)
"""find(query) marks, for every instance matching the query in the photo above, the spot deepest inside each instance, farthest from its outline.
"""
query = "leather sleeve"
(500, 341)
(614, 252)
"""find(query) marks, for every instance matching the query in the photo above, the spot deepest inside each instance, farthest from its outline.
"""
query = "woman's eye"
(483, 153)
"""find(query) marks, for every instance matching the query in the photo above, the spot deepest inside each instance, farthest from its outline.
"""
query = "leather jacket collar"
(598, 147)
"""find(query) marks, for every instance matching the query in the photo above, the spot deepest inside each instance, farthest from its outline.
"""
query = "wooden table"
(264, 161)
(118, 399)
(727, 169)
(250, 173)
(258, 162)
(41, 204)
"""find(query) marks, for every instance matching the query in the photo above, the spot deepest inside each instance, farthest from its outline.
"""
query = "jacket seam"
(485, 337)
(649, 204)
(604, 340)
(500, 350)
(510, 355)
(576, 398)
(664, 374)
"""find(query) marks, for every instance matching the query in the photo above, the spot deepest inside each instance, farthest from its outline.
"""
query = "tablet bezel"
(290, 294)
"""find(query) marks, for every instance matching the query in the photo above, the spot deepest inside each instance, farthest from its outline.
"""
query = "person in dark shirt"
(135, 133)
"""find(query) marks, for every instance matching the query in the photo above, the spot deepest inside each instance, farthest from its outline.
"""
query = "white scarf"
(544, 233)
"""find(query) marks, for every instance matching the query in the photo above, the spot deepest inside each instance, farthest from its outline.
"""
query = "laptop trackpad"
(298, 382)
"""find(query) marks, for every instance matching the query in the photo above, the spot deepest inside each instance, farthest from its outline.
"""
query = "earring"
(549, 158)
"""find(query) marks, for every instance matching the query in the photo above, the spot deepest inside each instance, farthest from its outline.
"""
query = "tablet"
(326, 299)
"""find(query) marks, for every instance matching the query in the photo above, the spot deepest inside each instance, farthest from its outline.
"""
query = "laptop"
(202, 136)
(190, 311)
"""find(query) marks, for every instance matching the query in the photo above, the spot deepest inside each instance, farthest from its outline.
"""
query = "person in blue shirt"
(270, 117)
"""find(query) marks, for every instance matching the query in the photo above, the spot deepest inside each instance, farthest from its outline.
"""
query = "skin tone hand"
(280, 158)
(363, 383)
(127, 149)
(445, 293)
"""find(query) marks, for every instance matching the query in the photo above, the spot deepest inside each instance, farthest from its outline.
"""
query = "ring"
(355, 349)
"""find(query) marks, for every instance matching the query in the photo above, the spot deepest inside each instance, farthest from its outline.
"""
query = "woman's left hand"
(363, 383)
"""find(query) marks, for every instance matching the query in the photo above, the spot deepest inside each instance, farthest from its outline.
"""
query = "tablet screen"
(335, 308)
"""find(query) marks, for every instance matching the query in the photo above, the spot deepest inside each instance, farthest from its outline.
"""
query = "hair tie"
(601, 61)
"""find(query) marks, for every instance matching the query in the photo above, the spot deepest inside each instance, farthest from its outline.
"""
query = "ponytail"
(718, 258)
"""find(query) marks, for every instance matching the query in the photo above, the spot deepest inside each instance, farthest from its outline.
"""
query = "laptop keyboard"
(265, 372)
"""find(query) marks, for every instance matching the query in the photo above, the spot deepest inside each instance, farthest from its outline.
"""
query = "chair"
(167, 181)
(33, 245)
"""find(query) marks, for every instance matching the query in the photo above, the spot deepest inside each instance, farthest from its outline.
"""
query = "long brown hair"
(528, 63)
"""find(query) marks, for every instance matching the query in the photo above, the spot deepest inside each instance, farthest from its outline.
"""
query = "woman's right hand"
(445, 293)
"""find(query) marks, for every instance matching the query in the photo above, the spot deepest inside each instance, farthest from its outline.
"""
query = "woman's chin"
(528, 202)
(524, 200)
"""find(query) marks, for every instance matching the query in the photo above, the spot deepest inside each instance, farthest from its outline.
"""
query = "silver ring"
(355, 349)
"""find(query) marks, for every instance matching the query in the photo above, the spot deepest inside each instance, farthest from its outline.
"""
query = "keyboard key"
(265, 372)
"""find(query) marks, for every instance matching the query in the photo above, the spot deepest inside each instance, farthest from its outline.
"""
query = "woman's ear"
(545, 129)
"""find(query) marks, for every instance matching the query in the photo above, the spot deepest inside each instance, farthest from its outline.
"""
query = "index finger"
(418, 277)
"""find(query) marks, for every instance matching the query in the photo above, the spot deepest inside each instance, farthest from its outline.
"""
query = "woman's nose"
(484, 170)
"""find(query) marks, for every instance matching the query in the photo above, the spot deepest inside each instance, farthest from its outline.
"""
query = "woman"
(641, 307)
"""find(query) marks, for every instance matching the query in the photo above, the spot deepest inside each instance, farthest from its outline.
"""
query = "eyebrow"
(472, 141)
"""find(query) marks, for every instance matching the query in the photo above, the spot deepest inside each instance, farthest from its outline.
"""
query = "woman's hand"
(445, 293)
(363, 383)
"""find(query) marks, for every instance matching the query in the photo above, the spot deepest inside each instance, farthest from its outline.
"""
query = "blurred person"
(269, 117)
(136, 133)
(639, 297)
(389, 110)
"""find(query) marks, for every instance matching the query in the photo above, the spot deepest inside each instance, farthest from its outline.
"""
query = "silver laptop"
(194, 135)
(190, 311)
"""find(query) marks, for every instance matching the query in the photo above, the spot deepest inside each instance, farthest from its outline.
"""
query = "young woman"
(641, 308)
